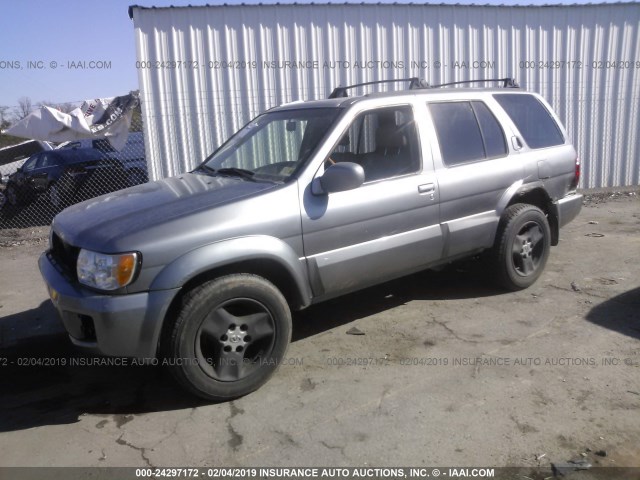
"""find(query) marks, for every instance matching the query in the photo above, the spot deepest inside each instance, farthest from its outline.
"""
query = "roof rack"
(506, 82)
(415, 82)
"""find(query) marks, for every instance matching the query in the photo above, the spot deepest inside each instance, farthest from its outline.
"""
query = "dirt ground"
(449, 371)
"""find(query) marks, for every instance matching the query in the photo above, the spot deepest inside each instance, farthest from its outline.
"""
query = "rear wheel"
(62, 192)
(522, 246)
(55, 195)
(229, 336)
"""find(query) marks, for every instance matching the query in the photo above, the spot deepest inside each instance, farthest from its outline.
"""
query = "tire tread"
(498, 253)
(191, 301)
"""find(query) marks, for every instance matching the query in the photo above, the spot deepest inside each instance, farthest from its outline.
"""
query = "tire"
(61, 193)
(11, 195)
(522, 246)
(228, 338)
(55, 196)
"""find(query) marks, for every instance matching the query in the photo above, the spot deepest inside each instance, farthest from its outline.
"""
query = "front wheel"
(522, 246)
(229, 337)
(11, 195)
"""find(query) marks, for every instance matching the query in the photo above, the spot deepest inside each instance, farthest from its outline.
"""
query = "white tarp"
(108, 118)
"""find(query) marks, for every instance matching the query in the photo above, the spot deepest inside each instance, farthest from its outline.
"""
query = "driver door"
(387, 227)
(40, 172)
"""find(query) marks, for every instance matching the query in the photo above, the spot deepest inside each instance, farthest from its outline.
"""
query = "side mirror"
(338, 178)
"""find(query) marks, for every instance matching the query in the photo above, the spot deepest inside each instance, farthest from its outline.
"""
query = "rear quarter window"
(494, 142)
(532, 119)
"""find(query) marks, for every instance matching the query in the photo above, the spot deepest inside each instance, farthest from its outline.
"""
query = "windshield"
(273, 145)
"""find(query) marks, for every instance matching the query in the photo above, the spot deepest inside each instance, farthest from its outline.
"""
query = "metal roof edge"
(417, 4)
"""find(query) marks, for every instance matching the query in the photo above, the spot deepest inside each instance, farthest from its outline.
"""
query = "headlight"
(106, 272)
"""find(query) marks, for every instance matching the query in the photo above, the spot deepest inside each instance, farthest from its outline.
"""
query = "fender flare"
(508, 195)
(519, 188)
(228, 252)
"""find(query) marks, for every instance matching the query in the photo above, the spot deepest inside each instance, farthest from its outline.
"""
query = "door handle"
(427, 188)
(517, 144)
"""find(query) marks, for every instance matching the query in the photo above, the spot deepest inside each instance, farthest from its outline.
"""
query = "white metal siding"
(188, 112)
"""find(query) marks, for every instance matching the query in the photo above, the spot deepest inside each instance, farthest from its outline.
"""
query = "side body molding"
(232, 251)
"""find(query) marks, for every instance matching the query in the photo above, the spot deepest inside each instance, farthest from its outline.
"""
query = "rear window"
(532, 119)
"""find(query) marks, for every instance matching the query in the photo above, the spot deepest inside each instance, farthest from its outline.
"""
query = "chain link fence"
(40, 179)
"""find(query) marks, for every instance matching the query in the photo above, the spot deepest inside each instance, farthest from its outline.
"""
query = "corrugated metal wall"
(206, 71)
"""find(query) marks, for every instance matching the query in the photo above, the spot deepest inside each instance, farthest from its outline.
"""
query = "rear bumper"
(116, 325)
(568, 208)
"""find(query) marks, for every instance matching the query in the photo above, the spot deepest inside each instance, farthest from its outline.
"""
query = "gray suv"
(309, 201)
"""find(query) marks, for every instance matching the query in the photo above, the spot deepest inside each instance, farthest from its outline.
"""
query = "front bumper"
(568, 208)
(117, 325)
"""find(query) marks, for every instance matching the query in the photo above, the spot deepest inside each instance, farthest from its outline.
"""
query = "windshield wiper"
(237, 172)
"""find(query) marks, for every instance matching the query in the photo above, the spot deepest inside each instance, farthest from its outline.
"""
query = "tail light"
(576, 177)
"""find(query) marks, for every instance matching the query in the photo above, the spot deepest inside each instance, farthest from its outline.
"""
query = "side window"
(30, 164)
(492, 134)
(384, 141)
(458, 132)
(45, 160)
(467, 132)
(532, 119)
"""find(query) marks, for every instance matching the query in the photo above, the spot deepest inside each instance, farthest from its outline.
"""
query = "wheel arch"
(267, 268)
(533, 194)
(264, 256)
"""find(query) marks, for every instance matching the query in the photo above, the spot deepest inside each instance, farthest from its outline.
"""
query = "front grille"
(64, 257)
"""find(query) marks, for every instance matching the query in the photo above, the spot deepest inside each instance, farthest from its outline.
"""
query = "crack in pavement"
(142, 450)
(236, 439)
(385, 391)
(452, 332)
(542, 330)
(333, 447)
(286, 438)
(582, 291)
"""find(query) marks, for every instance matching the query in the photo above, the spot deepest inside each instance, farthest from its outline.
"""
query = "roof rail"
(415, 82)
(506, 82)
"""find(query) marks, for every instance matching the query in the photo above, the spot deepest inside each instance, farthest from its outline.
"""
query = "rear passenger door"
(474, 170)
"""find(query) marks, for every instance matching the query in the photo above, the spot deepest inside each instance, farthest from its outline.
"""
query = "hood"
(97, 222)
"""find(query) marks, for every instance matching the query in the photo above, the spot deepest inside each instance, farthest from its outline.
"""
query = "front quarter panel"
(232, 251)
